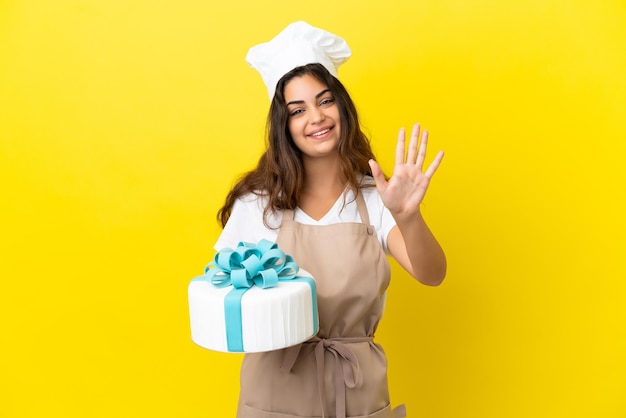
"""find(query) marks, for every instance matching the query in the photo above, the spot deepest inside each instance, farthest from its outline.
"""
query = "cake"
(251, 299)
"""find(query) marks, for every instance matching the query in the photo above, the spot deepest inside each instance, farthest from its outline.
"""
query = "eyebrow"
(317, 96)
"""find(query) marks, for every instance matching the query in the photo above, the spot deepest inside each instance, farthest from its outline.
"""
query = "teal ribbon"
(263, 265)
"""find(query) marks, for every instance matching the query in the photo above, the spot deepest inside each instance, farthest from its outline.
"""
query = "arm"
(411, 242)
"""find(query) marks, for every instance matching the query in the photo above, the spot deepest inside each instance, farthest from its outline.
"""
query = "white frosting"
(272, 318)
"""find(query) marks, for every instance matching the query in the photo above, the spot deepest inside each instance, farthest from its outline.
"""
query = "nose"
(317, 115)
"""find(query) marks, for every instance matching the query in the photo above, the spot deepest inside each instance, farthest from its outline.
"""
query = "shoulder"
(380, 217)
(251, 202)
(375, 206)
(370, 194)
(247, 223)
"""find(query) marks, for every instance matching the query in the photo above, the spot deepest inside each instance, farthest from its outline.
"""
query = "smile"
(320, 133)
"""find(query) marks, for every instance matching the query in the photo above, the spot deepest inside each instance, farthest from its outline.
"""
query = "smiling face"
(314, 121)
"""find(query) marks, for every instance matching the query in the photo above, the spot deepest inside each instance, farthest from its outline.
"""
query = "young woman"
(319, 194)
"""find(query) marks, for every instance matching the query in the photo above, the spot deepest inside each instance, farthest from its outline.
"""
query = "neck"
(322, 176)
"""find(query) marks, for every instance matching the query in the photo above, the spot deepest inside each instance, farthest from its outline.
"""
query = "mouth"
(320, 133)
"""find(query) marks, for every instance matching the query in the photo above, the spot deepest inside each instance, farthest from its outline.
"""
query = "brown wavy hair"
(279, 174)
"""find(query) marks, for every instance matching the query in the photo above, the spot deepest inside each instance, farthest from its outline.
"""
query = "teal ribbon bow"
(263, 265)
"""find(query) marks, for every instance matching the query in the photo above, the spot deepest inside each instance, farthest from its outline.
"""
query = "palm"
(406, 188)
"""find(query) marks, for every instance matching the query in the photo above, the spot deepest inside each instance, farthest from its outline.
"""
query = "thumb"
(377, 173)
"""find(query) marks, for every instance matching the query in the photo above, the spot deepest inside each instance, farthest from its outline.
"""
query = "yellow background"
(124, 123)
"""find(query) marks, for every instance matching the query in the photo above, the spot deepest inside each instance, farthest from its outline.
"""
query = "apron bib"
(341, 372)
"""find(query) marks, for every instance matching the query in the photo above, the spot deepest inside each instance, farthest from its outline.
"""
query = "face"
(313, 116)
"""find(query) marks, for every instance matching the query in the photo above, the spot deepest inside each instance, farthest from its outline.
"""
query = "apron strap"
(360, 204)
(365, 218)
(288, 215)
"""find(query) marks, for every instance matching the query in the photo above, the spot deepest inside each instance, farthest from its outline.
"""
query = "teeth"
(320, 132)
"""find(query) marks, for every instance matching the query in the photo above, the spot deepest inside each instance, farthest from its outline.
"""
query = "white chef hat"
(298, 44)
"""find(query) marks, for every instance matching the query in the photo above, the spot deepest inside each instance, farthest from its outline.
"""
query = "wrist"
(410, 218)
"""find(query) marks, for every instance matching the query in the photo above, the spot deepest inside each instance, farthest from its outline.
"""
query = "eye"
(295, 112)
(327, 101)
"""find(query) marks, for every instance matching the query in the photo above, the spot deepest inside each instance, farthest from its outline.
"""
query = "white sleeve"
(246, 224)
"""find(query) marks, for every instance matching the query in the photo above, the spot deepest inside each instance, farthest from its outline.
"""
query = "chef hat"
(298, 44)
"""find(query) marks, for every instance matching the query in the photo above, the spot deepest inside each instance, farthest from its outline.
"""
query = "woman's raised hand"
(406, 188)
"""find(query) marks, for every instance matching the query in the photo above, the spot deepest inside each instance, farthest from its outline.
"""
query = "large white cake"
(271, 319)
(254, 319)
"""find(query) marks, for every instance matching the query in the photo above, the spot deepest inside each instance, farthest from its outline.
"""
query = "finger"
(421, 155)
(400, 147)
(434, 165)
(412, 154)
